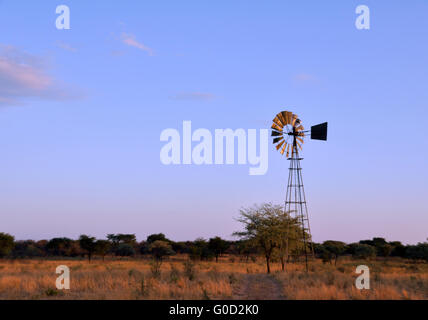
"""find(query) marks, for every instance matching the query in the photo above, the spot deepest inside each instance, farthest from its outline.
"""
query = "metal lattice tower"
(288, 134)
(295, 204)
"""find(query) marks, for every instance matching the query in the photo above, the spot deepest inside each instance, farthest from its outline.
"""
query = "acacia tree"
(159, 249)
(6, 244)
(218, 246)
(288, 234)
(334, 248)
(261, 224)
(88, 244)
(102, 247)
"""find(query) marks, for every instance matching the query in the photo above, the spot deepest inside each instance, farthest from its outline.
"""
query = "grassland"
(227, 279)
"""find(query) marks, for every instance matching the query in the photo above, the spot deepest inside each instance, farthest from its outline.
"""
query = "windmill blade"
(283, 148)
(280, 144)
(294, 118)
(290, 117)
(278, 122)
(288, 150)
(286, 115)
(277, 140)
(276, 133)
(300, 128)
(276, 127)
(300, 146)
(300, 139)
(283, 121)
(319, 132)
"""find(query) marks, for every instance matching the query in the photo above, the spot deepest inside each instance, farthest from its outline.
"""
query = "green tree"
(160, 249)
(288, 233)
(334, 249)
(59, 246)
(88, 244)
(157, 236)
(419, 251)
(122, 242)
(102, 247)
(6, 244)
(125, 250)
(364, 251)
(199, 250)
(261, 226)
(218, 246)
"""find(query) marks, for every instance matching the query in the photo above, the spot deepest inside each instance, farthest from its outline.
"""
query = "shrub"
(174, 274)
(189, 269)
(364, 251)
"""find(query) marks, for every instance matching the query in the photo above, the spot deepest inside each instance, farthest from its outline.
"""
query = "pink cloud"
(130, 40)
(24, 76)
(304, 77)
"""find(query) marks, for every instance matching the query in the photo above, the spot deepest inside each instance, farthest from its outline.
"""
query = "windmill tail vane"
(288, 137)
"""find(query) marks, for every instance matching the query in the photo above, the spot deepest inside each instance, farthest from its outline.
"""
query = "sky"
(82, 110)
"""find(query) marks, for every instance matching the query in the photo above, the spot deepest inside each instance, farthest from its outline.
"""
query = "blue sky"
(81, 112)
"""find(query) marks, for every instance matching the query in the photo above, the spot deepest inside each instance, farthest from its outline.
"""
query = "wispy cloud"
(130, 40)
(24, 76)
(304, 77)
(65, 46)
(197, 96)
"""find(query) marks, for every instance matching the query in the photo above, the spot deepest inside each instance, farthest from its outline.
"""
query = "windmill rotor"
(288, 133)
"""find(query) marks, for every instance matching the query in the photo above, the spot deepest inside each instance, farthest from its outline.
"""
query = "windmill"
(289, 135)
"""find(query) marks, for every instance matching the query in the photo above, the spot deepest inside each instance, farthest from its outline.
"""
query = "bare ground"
(258, 287)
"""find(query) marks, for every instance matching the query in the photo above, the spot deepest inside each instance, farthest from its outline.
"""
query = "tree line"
(268, 231)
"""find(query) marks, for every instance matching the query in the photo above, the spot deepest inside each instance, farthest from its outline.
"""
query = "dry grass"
(133, 279)
(389, 280)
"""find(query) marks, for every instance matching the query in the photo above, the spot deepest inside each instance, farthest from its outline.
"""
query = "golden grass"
(133, 279)
(389, 280)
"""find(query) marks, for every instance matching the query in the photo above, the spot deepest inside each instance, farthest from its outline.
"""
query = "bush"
(364, 251)
(6, 244)
(174, 274)
(160, 249)
(189, 269)
(125, 250)
(155, 268)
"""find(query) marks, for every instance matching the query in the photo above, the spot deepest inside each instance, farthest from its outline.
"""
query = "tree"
(364, 251)
(218, 246)
(157, 236)
(419, 251)
(334, 249)
(6, 244)
(160, 249)
(199, 250)
(289, 234)
(398, 249)
(88, 244)
(26, 249)
(102, 247)
(119, 238)
(261, 226)
(245, 248)
(124, 250)
(59, 246)
(118, 242)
